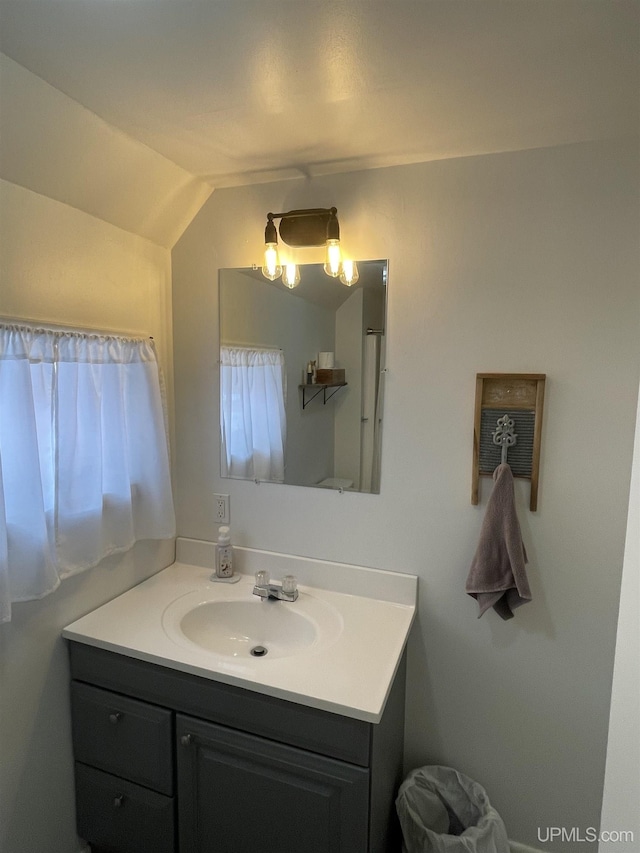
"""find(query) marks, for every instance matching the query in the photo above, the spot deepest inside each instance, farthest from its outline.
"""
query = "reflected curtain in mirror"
(252, 413)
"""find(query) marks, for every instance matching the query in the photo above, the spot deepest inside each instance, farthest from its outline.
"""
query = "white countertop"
(350, 674)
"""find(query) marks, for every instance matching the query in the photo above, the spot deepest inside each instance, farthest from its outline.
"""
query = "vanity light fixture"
(349, 274)
(271, 268)
(333, 258)
(290, 275)
(317, 226)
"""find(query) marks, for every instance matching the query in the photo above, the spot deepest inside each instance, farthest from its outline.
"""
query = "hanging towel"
(497, 576)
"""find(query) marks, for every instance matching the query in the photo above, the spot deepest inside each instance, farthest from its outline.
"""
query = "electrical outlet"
(221, 509)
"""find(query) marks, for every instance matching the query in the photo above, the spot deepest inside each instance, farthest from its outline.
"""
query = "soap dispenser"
(224, 554)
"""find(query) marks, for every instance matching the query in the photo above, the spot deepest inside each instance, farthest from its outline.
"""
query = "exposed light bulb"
(333, 260)
(271, 267)
(291, 275)
(349, 274)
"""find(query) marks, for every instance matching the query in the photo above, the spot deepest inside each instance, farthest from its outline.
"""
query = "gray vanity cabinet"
(247, 794)
(168, 762)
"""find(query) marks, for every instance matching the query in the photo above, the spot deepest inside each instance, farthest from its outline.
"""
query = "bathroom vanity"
(184, 749)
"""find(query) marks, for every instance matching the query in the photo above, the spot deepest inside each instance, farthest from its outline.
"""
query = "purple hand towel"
(497, 577)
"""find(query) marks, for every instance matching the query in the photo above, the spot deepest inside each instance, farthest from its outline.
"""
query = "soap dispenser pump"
(224, 558)
(224, 554)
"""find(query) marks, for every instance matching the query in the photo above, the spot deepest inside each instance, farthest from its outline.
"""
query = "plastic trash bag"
(443, 811)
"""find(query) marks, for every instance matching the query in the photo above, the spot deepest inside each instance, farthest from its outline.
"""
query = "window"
(252, 413)
(84, 463)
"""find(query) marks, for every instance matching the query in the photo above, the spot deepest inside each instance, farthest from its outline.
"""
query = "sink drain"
(259, 651)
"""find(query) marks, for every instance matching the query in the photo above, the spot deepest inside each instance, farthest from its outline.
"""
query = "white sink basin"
(246, 626)
(336, 648)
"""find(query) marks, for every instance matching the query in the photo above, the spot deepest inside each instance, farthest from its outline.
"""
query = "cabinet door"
(238, 793)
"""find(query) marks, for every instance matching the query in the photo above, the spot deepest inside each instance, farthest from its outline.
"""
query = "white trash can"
(443, 811)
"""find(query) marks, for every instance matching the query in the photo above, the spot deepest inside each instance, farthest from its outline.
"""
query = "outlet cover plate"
(221, 509)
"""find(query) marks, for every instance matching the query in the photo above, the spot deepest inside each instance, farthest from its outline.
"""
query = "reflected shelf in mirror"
(318, 388)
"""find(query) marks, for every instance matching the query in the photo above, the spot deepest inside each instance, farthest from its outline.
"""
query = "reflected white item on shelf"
(326, 359)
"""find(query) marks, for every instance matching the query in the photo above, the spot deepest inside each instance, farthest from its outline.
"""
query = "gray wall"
(516, 262)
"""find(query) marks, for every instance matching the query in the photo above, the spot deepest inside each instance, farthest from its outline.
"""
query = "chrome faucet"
(286, 590)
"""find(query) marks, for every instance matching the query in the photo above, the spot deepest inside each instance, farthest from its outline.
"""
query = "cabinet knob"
(118, 801)
(185, 740)
(115, 717)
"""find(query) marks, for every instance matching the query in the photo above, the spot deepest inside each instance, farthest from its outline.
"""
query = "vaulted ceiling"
(241, 91)
(135, 110)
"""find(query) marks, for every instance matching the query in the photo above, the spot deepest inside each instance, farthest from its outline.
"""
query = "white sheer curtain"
(252, 413)
(84, 462)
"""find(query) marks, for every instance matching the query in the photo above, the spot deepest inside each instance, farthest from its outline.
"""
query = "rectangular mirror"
(274, 425)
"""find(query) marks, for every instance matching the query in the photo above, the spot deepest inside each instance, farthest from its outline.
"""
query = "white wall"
(64, 266)
(516, 262)
(620, 812)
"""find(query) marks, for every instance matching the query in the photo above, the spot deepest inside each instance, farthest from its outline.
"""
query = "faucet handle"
(289, 584)
(262, 578)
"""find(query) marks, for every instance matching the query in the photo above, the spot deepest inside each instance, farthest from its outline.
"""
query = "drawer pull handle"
(115, 717)
(118, 801)
(185, 740)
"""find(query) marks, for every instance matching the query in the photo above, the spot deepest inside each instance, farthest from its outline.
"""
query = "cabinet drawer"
(123, 736)
(117, 815)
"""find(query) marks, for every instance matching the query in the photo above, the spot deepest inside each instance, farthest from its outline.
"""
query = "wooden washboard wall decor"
(521, 396)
